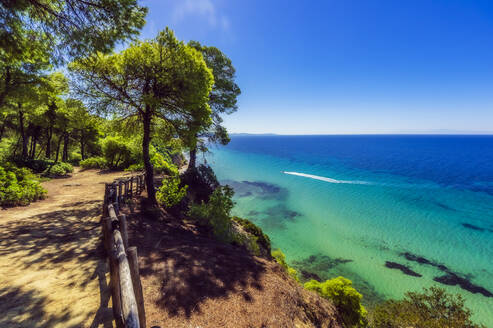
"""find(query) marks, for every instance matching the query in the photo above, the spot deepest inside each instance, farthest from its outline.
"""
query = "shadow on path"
(192, 267)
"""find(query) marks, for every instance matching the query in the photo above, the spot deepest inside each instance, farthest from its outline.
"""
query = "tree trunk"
(146, 140)
(6, 88)
(58, 148)
(66, 141)
(23, 133)
(2, 130)
(33, 148)
(48, 143)
(30, 152)
(193, 159)
(82, 154)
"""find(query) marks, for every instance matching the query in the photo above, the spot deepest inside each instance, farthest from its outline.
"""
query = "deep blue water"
(450, 160)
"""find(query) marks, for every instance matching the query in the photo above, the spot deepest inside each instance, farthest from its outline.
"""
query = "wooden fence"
(126, 288)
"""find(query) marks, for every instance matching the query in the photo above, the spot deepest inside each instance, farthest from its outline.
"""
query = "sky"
(347, 66)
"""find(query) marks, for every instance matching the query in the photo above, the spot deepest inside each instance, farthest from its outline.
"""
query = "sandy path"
(52, 273)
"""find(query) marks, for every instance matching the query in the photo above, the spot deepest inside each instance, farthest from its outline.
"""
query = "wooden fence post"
(119, 191)
(139, 295)
(125, 285)
(114, 274)
(129, 304)
(124, 229)
(105, 200)
(126, 189)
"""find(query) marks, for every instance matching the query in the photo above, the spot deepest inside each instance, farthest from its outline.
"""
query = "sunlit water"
(346, 205)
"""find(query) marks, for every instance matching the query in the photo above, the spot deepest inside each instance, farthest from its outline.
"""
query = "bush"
(59, 169)
(19, 186)
(346, 299)
(202, 182)
(280, 258)
(432, 308)
(163, 164)
(75, 158)
(170, 193)
(93, 163)
(216, 212)
(259, 237)
(160, 163)
(116, 152)
(36, 165)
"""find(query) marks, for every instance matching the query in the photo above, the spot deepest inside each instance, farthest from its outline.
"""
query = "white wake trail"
(330, 180)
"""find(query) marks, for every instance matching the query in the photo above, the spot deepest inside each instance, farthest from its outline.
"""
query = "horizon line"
(367, 134)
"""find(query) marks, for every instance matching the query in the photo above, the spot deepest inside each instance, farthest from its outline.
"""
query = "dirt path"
(52, 273)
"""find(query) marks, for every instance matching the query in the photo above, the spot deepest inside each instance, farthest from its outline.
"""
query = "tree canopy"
(155, 81)
(222, 100)
(70, 28)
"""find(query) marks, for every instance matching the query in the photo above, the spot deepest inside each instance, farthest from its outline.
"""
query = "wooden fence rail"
(126, 289)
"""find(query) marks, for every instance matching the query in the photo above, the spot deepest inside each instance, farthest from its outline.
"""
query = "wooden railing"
(126, 288)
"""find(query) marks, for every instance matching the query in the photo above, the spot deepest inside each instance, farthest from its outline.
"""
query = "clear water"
(345, 205)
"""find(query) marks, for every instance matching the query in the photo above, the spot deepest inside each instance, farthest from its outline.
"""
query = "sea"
(392, 213)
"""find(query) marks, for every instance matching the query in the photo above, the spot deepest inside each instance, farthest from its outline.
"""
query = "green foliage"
(19, 186)
(36, 165)
(6, 147)
(159, 82)
(222, 100)
(59, 169)
(280, 258)
(69, 27)
(162, 163)
(202, 182)
(216, 212)
(346, 299)
(75, 158)
(93, 163)
(170, 193)
(116, 152)
(433, 308)
(259, 237)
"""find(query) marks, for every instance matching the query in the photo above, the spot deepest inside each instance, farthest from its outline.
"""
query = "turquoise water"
(339, 211)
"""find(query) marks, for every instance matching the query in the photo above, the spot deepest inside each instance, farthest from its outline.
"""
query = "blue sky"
(347, 66)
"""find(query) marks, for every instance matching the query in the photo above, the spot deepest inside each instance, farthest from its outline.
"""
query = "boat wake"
(330, 180)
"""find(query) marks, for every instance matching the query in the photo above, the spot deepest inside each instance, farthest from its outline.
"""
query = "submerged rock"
(472, 226)
(422, 260)
(260, 189)
(403, 268)
(452, 279)
(306, 275)
(319, 265)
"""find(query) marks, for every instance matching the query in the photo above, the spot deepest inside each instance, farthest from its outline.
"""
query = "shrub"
(202, 182)
(259, 237)
(160, 163)
(170, 193)
(432, 308)
(75, 158)
(36, 165)
(116, 152)
(280, 258)
(163, 164)
(66, 166)
(59, 169)
(346, 299)
(19, 186)
(93, 163)
(216, 212)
